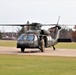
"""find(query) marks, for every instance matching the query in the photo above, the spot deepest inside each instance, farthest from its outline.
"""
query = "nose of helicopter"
(25, 44)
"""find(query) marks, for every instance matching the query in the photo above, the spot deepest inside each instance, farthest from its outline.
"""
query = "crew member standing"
(42, 43)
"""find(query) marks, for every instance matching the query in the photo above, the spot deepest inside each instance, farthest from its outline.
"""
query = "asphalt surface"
(47, 52)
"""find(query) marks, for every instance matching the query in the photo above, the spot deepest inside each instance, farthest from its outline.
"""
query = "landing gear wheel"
(54, 48)
(22, 49)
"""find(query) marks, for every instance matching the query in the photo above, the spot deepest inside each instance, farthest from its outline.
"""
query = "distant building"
(9, 36)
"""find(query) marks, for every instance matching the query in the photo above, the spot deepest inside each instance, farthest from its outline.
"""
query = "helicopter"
(35, 37)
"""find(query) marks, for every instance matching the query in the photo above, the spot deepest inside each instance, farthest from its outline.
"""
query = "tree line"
(65, 33)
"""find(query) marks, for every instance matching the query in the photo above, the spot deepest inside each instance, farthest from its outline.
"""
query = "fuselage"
(33, 41)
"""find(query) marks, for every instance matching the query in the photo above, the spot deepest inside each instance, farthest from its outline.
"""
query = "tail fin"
(57, 36)
(58, 27)
(58, 20)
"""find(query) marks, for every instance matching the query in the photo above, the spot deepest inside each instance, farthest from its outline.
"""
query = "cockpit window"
(30, 37)
(21, 37)
(26, 37)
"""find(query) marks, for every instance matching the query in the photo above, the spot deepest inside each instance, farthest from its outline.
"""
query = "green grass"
(67, 45)
(9, 43)
(37, 65)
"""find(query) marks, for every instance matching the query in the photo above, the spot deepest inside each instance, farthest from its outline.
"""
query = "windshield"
(26, 37)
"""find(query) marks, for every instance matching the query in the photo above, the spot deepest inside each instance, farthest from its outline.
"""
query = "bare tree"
(0, 35)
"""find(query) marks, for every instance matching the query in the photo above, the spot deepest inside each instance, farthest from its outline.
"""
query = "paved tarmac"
(47, 52)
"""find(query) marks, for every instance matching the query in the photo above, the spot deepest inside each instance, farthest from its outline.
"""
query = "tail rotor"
(57, 25)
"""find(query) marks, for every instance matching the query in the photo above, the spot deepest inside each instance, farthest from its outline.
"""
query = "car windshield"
(26, 37)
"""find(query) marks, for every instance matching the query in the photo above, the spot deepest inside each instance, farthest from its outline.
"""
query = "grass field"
(67, 45)
(37, 65)
(9, 43)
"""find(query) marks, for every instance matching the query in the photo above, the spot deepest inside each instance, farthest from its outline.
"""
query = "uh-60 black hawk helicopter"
(35, 37)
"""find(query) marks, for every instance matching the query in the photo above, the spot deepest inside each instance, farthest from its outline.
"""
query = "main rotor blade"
(35, 25)
(58, 24)
(13, 25)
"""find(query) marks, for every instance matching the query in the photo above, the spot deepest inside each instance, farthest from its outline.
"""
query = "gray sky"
(42, 11)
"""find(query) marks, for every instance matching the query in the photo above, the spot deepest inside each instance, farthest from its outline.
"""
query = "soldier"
(42, 44)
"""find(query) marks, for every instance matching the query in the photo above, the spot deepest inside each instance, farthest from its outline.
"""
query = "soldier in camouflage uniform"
(42, 44)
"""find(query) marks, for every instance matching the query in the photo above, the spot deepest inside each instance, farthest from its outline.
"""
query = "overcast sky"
(42, 11)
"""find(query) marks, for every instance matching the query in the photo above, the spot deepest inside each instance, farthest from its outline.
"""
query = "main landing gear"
(22, 49)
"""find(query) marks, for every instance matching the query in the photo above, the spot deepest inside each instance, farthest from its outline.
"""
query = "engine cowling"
(44, 32)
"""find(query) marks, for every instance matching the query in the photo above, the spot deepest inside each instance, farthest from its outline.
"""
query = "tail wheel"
(22, 49)
(53, 47)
